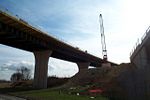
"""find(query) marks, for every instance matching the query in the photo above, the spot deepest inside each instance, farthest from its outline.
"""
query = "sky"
(77, 23)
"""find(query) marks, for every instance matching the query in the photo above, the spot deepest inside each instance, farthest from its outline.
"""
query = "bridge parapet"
(140, 56)
(140, 43)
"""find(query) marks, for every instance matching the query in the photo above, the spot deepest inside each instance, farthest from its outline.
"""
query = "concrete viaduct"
(140, 56)
(17, 33)
(137, 81)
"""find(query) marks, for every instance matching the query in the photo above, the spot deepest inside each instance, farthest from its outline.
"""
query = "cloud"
(10, 67)
(62, 68)
(13, 66)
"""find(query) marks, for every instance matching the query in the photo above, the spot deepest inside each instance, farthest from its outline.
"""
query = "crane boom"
(104, 51)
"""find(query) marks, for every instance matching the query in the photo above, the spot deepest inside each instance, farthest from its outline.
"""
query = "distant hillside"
(4, 81)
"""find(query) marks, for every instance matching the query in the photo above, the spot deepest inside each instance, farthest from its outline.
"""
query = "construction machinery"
(104, 51)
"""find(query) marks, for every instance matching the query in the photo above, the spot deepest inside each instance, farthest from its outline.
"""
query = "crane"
(104, 51)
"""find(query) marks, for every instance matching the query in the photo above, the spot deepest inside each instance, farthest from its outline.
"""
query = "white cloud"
(10, 67)
(62, 68)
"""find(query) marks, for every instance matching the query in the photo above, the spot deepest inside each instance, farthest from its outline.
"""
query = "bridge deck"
(19, 34)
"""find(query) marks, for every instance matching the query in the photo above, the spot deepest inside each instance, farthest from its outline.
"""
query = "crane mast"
(104, 51)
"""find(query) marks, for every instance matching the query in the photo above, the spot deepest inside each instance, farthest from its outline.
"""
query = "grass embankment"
(46, 94)
(49, 94)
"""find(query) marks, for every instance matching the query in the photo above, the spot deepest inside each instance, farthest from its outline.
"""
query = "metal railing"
(139, 41)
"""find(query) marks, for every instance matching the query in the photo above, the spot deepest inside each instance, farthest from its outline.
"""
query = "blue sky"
(77, 22)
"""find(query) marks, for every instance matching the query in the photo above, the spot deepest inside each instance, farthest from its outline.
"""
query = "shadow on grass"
(15, 89)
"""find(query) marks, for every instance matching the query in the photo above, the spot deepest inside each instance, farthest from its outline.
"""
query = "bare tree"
(22, 73)
(25, 72)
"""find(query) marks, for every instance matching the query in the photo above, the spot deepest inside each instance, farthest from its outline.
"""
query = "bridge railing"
(139, 41)
(18, 17)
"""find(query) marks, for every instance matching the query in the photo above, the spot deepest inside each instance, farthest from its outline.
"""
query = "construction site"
(97, 78)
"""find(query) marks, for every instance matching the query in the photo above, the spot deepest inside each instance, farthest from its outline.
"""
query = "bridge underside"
(18, 38)
(19, 34)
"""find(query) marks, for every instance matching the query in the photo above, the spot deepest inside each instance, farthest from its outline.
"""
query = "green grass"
(49, 94)
(46, 94)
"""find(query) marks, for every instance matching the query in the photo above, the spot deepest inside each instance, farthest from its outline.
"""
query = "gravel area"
(7, 97)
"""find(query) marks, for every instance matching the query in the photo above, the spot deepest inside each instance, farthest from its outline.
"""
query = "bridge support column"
(83, 65)
(41, 68)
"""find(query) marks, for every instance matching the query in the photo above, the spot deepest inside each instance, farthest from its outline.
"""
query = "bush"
(53, 81)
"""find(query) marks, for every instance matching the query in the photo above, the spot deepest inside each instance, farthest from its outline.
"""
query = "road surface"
(7, 97)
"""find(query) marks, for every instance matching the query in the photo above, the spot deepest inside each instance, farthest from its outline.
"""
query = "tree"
(22, 73)
(16, 77)
(25, 72)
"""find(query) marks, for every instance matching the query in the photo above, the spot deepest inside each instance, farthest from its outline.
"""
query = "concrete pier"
(41, 68)
(83, 65)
